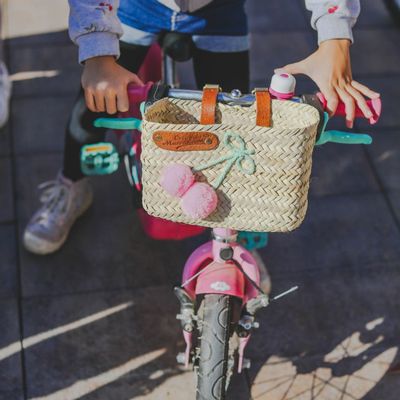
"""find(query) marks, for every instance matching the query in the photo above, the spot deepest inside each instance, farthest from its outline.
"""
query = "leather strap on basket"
(209, 104)
(263, 107)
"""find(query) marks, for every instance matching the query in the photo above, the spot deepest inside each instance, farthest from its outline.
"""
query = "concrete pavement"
(96, 321)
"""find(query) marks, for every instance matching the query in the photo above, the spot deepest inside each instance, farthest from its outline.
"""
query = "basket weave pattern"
(273, 199)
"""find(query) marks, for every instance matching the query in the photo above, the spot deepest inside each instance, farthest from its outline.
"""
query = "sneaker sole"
(40, 246)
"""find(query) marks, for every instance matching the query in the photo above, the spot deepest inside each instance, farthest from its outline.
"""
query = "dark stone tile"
(332, 312)
(387, 388)
(64, 82)
(339, 169)
(8, 261)
(394, 198)
(106, 249)
(60, 59)
(339, 232)
(6, 190)
(43, 58)
(5, 145)
(51, 38)
(274, 50)
(39, 123)
(373, 13)
(388, 87)
(385, 55)
(11, 383)
(275, 15)
(346, 373)
(124, 355)
(385, 155)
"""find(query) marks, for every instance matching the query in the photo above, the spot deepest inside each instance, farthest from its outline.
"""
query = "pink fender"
(221, 278)
(204, 256)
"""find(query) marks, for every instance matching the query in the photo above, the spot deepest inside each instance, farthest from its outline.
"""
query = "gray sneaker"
(63, 202)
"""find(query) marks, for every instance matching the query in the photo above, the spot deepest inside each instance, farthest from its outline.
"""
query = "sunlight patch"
(27, 75)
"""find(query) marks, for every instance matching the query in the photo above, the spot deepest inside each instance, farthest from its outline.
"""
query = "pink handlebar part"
(375, 105)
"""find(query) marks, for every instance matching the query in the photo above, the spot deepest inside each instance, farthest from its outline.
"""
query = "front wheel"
(217, 318)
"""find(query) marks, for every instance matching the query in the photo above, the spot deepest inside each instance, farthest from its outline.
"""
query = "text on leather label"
(185, 141)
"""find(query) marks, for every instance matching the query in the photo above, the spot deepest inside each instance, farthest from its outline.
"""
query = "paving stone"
(50, 38)
(280, 378)
(59, 62)
(44, 57)
(106, 249)
(374, 13)
(339, 169)
(385, 44)
(6, 191)
(5, 141)
(137, 361)
(339, 232)
(8, 261)
(385, 155)
(394, 196)
(274, 50)
(35, 85)
(388, 87)
(42, 127)
(328, 309)
(108, 345)
(11, 382)
(273, 16)
(387, 388)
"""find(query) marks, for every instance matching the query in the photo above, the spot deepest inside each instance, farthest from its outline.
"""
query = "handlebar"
(139, 94)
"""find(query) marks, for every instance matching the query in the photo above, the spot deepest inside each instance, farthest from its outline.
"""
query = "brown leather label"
(185, 141)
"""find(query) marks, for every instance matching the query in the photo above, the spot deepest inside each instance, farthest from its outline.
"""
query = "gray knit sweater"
(97, 33)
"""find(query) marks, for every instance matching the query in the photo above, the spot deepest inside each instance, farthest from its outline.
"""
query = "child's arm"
(95, 28)
(330, 66)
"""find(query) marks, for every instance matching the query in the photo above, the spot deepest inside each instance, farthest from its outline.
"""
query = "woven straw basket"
(272, 199)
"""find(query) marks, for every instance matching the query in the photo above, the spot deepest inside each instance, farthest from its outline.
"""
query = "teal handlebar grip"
(344, 138)
(118, 123)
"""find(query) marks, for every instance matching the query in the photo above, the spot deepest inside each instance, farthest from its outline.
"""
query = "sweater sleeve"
(334, 19)
(95, 28)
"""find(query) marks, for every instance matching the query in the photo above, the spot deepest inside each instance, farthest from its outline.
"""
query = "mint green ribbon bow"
(239, 155)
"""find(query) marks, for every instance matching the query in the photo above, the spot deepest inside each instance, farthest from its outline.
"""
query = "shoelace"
(54, 198)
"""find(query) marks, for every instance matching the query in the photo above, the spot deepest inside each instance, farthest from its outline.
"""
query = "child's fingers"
(99, 101)
(89, 99)
(349, 103)
(366, 91)
(122, 100)
(332, 100)
(111, 102)
(361, 102)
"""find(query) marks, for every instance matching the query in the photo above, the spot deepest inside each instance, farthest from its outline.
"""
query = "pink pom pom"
(176, 179)
(199, 201)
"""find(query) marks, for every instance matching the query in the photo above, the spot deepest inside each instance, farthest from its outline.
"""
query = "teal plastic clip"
(341, 137)
(118, 123)
(99, 159)
(253, 240)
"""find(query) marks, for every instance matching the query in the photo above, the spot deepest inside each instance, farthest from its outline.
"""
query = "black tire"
(217, 319)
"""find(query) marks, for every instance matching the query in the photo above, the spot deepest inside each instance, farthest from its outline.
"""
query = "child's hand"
(329, 67)
(106, 85)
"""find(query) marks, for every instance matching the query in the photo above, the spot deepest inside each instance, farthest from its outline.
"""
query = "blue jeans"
(221, 26)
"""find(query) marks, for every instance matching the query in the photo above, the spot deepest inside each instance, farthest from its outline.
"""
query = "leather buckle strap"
(209, 104)
(263, 107)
